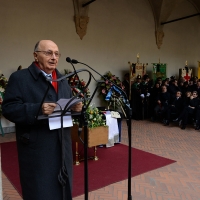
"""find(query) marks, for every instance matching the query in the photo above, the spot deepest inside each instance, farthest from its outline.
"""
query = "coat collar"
(37, 72)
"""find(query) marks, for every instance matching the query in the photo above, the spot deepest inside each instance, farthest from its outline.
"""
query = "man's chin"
(50, 69)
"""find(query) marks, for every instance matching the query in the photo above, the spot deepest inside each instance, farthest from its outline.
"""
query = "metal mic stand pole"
(85, 152)
(86, 141)
(129, 153)
(128, 114)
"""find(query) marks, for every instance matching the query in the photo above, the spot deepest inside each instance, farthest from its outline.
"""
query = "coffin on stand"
(96, 136)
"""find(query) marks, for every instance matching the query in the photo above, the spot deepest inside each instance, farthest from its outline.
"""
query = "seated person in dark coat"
(188, 110)
(186, 99)
(39, 148)
(175, 107)
(163, 100)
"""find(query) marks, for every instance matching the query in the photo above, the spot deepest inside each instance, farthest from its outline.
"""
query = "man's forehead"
(48, 45)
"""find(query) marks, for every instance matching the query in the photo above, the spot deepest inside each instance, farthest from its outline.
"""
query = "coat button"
(50, 96)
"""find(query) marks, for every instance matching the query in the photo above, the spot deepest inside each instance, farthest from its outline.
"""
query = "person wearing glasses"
(39, 148)
(188, 110)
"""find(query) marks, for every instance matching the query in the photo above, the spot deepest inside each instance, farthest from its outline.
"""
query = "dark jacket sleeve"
(14, 107)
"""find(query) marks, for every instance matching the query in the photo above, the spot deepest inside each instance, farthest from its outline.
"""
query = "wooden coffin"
(96, 136)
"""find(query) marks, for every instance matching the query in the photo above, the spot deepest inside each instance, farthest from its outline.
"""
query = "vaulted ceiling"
(162, 10)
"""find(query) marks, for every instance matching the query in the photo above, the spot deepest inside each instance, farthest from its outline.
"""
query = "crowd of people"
(166, 100)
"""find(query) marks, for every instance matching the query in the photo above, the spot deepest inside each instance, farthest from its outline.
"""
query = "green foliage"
(94, 117)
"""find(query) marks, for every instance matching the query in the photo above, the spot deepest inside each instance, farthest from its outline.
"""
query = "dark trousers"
(160, 110)
(184, 115)
(171, 109)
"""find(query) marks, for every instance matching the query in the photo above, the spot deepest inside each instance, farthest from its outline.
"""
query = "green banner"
(159, 71)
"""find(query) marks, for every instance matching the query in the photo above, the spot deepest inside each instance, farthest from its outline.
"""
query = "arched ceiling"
(162, 10)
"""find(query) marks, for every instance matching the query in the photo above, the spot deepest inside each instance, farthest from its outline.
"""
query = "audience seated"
(172, 100)
(188, 110)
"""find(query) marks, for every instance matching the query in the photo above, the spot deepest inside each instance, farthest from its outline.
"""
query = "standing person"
(145, 94)
(136, 99)
(126, 83)
(155, 91)
(197, 87)
(39, 148)
(173, 88)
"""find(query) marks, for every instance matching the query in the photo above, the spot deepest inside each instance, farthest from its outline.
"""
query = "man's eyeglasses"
(50, 53)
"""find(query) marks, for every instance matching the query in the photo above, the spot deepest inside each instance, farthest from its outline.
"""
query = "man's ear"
(35, 56)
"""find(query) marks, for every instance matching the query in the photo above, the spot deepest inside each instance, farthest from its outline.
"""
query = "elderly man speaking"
(39, 148)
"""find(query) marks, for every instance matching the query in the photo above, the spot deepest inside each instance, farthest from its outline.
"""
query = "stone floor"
(178, 181)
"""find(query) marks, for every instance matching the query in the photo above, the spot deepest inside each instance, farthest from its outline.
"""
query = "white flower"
(2, 89)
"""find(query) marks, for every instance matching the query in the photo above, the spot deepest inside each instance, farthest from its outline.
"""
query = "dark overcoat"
(40, 157)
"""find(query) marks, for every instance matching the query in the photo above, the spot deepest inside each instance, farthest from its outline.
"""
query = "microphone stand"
(85, 125)
(128, 112)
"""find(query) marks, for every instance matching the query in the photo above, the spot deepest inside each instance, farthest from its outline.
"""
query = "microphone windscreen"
(74, 61)
(68, 59)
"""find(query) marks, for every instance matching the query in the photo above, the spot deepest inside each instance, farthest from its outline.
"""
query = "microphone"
(68, 59)
(74, 61)
(71, 61)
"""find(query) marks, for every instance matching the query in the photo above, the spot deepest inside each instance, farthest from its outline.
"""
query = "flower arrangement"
(110, 92)
(94, 117)
(3, 84)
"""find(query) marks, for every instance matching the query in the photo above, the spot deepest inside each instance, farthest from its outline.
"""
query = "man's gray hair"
(36, 46)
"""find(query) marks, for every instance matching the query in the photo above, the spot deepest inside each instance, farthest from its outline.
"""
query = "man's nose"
(53, 56)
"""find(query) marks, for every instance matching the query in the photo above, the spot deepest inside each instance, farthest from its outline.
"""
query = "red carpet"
(111, 167)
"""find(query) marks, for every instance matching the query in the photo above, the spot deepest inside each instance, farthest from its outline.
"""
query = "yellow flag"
(199, 70)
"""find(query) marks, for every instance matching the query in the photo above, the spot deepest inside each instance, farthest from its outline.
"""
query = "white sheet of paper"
(55, 123)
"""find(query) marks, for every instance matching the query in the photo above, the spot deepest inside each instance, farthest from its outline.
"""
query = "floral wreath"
(3, 84)
(76, 87)
(111, 93)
